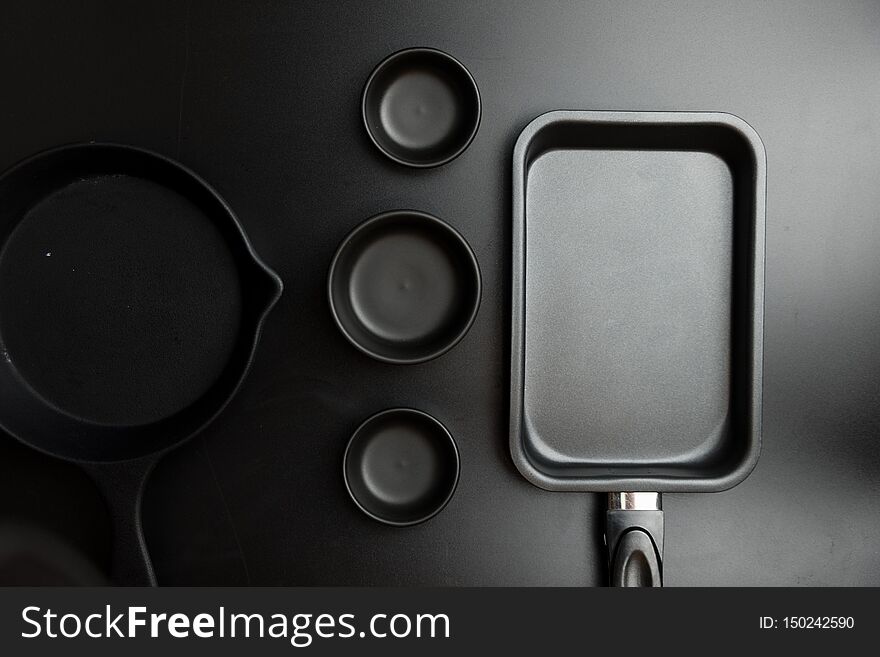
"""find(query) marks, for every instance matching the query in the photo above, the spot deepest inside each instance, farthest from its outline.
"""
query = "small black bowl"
(404, 287)
(401, 467)
(421, 107)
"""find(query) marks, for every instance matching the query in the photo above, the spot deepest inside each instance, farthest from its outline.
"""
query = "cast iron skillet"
(131, 303)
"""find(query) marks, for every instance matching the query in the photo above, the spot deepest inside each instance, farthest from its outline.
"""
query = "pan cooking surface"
(119, 300)
(628, 302)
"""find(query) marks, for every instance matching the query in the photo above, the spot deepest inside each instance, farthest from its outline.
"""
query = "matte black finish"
(401, 467)
(36, 557)
(130, 307)
(638, 287)
(404, 287)
(421, 107)
(265, 104)
(634, 539)
(635, 562)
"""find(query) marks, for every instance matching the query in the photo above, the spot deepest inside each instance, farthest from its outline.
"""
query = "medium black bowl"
(404, 287)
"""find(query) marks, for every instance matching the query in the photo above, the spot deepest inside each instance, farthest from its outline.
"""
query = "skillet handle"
(122, 486)
(634, 536)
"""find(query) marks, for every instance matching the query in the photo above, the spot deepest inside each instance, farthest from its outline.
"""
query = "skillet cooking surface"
(110, 288)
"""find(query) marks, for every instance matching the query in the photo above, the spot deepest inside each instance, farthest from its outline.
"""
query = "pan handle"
(122, 486)
(634, 536)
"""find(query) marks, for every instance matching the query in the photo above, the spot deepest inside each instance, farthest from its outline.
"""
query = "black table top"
(262, 100)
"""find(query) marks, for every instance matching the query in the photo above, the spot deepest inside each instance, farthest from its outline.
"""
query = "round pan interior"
(404, 287)
(421, 107)
(401, 467)
(130, 302)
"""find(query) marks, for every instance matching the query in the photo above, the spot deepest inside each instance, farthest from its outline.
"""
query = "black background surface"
(262, 100)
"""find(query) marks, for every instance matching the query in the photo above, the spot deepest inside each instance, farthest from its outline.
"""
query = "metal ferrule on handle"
(634, 536)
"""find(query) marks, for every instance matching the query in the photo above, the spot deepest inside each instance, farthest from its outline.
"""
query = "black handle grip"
(122, 486)
(635, 561)
(635, 547)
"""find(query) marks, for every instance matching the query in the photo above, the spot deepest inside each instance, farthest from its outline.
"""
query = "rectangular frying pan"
(637, 313)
